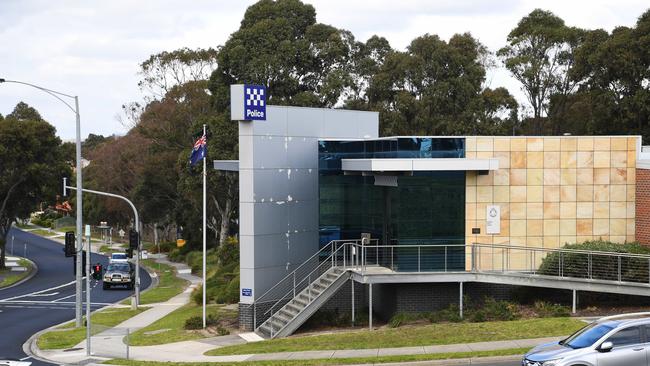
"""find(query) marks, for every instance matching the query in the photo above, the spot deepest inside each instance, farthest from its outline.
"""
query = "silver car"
(622, 340)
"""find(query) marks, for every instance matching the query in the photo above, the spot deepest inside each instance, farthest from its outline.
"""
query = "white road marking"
(45, 295)
(38, 292)
(28, 357)
(47, 302)
(66, 297)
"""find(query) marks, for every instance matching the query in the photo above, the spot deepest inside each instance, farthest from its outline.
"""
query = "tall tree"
(613, 76)
(539, 54)
(279, 44)
(32, 164)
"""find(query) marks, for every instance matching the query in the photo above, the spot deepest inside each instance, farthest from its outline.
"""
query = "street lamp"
(58, 96)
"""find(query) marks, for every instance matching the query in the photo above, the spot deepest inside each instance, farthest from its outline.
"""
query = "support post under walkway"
(460, 299)
(370, 306)
(352, 285)
(574, 301)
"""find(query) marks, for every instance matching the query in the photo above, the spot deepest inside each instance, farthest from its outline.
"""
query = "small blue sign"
(254, 103)
(247, 292)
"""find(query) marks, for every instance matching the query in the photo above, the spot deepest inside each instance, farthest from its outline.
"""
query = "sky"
(93, 48)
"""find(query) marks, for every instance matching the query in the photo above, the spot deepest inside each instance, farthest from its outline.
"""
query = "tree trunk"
(225, 221)
(3, 246)
(155, 236)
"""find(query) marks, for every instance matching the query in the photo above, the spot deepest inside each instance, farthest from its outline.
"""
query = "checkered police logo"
(255, 102)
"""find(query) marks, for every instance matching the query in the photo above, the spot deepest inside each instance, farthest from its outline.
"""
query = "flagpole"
(204, 229)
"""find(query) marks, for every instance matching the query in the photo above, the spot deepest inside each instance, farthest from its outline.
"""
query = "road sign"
(121, 233)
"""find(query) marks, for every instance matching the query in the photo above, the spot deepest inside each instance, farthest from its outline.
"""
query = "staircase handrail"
(290, 292)
(329, 261)
(289, 277)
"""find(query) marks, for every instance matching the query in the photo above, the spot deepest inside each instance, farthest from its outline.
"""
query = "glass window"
(626, 337)
(586, 336)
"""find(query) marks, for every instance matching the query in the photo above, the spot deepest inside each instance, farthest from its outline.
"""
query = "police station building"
(436, 213)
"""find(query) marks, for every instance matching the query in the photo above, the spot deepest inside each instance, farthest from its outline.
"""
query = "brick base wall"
(642, 225)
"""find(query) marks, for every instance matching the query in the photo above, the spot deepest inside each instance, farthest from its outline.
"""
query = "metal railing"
(436, 257)
(495, 258)
(563, 263)
(335, 253)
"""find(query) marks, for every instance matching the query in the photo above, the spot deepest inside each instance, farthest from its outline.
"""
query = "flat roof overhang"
(227, 165)
(418, 165)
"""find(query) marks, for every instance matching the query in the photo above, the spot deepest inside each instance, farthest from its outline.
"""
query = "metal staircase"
(295, 312)
(287, 305)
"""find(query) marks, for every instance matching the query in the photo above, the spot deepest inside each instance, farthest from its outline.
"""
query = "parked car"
(622, 340)
(119, 274)
(118, 258)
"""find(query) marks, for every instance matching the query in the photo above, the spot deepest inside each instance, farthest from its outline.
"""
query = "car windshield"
(588, 335)
(119, 256)
(121, 267)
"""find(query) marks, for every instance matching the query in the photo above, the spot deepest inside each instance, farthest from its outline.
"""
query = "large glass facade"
(426, 208)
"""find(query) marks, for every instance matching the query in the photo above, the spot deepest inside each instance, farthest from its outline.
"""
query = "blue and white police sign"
(247, 102)
(247, 292)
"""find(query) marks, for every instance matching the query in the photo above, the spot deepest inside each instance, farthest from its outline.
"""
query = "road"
(48, 298)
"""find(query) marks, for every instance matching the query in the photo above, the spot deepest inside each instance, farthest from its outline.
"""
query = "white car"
(118, 258)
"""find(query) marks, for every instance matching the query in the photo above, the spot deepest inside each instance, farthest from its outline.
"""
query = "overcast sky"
(93, 48)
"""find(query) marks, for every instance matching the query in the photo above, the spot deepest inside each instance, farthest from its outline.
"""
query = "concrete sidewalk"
(192, 351)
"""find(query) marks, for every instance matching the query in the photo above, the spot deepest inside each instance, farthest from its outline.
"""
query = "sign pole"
(88, 250)
(204, 233)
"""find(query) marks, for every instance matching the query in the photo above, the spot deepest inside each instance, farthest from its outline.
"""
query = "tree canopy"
(32, 163)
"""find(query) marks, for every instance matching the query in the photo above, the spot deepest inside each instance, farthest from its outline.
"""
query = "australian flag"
(199, 150)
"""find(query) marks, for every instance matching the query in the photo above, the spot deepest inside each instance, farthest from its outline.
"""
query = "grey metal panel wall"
(278, 187)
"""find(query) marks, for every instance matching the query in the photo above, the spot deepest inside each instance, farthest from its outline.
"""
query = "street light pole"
(137, 229)
(57, 95)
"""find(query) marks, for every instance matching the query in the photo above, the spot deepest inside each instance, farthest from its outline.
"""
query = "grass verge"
(409, 336)
(171, 328)
(8, 277)
(168, 284)
(335, 361)
(67, 336)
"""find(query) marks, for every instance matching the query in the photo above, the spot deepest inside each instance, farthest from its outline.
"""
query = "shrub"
(603, 267)
(547, 310)
(450, 314)
(405, 318)
(196, 322)
(492, 309)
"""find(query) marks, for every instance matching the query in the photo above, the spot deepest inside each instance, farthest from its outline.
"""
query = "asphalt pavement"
(48, 298)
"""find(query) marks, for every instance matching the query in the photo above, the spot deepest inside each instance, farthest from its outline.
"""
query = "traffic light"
(97, 271)
(69, 244)
(129, 252)
(134, 240)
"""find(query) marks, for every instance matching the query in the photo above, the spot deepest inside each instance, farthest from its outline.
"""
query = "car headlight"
(107, 278)
(552, 362)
